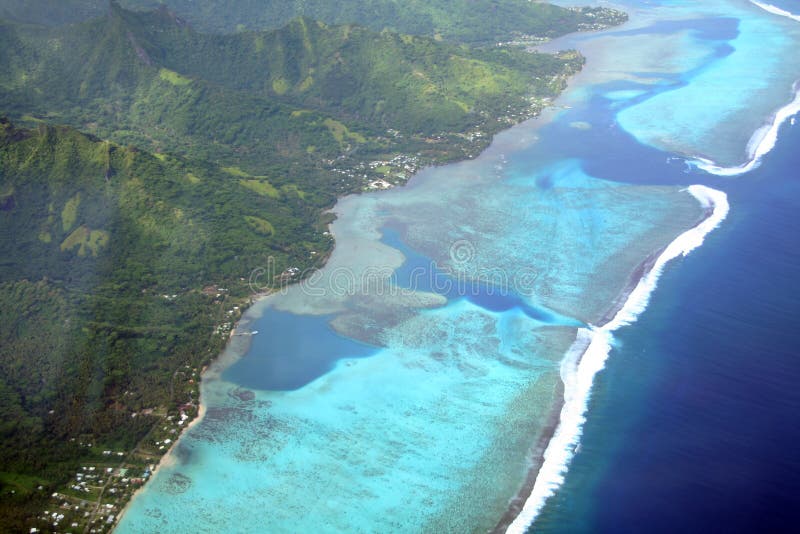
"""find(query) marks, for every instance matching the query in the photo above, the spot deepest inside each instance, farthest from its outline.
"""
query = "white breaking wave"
(761, 142)
(764, 139)
(578, 372)
(775, 10)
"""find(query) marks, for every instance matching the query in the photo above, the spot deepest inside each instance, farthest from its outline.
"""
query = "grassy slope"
(93, 234)
(408, 83)
(473, 21)
(259, 99)
(85, 329)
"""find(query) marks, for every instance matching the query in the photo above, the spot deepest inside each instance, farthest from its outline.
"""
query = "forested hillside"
(278, 101)
(150, 167)
(105, 252)
(471, 21)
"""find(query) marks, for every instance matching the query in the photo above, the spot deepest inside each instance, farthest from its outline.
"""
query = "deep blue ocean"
(694, 425)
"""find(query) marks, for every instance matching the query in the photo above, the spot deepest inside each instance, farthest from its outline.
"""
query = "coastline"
(224, 358)
(166, 459)
(228, 355)
(587, 357)
(574, 363)
(761, 142)
(540, 454)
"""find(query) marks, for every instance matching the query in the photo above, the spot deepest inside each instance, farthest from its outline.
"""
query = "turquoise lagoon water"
(413, 383)
(692, 423)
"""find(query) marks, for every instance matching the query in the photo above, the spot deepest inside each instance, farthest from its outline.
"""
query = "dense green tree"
(205, 156)
(471, 21)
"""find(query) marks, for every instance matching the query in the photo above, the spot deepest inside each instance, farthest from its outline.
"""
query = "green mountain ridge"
(99, 76)
(142, 77)
(185, 161)
(105, 252)
(400, 81)
(473, 21)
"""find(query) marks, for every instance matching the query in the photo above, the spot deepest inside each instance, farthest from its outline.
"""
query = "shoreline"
(166, 459)
(224, 358)
(587, 356)
(569, 367)
(761, 142)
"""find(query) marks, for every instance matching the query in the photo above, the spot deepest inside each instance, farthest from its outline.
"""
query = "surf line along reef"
(425, 415)
(429, 396)
(433, 404)
(214, 165)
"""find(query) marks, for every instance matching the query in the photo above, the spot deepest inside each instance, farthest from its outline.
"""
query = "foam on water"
(775, 10)
(434, 431)
(590, 352)
(697, 112)
(762, 142)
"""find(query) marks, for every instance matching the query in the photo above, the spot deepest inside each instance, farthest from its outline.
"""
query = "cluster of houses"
(524, 40)
(379, 174)
(93, 499)
(514, 115)
(223, 329)
(99, 490)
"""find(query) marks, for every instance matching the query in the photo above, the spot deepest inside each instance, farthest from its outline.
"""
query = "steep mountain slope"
(101, 76)
(206, 156)
(472, 21)
(408, 83)
(262, 98)
(105, 251)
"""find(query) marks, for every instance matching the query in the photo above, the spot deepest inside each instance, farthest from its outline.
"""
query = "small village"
(98, 492)
(101, 488)
(379, 174)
